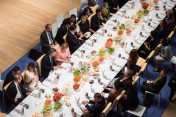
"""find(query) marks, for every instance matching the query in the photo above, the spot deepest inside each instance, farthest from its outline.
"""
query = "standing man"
(46, 39)
(63, 30)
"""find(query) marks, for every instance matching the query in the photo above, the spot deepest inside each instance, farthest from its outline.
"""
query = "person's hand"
(85, 35)
(15, 100)
(125, 96)
(74, 114)
(101, 26)
(60, 67)
(149, 82)
(28, 93)
(52, 45)
(101, 17)
(84, 102)
(55, 67)
(160, 53)
(95, 32)
(36, 85)
(104, 87)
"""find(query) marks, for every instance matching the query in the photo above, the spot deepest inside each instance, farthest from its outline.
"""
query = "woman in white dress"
(31, 78)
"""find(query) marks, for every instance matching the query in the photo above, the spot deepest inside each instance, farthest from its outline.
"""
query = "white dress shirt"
(48, 38)
(18, 95)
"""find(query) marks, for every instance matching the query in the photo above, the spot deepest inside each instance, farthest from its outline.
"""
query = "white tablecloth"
(36, 104)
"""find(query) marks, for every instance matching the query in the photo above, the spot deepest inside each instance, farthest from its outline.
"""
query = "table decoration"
(57, 96)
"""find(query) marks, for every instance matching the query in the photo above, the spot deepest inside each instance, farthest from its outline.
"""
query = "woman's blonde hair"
(64, 46)
(104, 11)
(83, 18)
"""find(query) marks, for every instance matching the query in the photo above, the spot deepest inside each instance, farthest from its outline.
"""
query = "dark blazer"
(113, 4)
(47, 66)
(95, 22)
(10, 78)
(72, 42)
(159, 84)
(60, 34)
(44, 42)
(96, 109)
(65, 20)
(11, 92)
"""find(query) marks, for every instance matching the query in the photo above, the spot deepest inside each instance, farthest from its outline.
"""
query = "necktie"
(156, 79)
(51, 60)
(77, 38)
(50, 38)
(19, 89)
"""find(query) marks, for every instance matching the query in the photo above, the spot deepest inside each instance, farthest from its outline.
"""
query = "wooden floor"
(21, 23)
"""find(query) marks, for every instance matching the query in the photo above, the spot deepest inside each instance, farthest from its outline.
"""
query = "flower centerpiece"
(95, 64)
(129, 24)
(66, 90)
(77, 78)
(84, 67)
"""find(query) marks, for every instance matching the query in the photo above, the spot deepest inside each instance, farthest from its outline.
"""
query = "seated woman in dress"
(114, 92)
(85, 27)
(31, 78)
(105, 10)
(63, 54)
(149, 46)
(130, 100)
(164, 55)
(132, 60)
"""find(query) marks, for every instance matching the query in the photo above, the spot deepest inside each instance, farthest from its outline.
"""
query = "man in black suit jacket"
(15, 93)
(96, 21)
(11, 74)
(48, 63)
(72, 18)
(156, 85)
(97, 105)
(63, 30)
(114, 5)
(73, 40)
(46, 39)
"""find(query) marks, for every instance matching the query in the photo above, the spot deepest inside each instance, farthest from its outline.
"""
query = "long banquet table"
(106, 75)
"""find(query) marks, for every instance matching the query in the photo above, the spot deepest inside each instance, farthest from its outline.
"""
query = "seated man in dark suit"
(48, 63)
(11, 74)
(73, 40)
(72, 18)
(63, 30)
(114, 5)
(46, 39)
(156, 85)
(97, 20)
(15, 93)
(97, 105)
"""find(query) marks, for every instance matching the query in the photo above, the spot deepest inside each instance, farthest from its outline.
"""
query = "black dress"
(132, 101)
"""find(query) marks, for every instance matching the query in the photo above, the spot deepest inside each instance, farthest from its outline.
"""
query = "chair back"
(56, 46)
(170, 35)
(39, 62)
(89, 18)
(114, 104)
(143, 68)
(95, 8)
(59, 19)
(106, 110)
(6, 87)
(54, 29)
(150, 56)
(157, 49)
(65, 38)
(1, 85)
(73, 11)
(135, 80)
(84, 3)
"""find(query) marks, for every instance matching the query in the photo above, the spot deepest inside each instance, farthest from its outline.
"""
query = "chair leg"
(159, 100)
